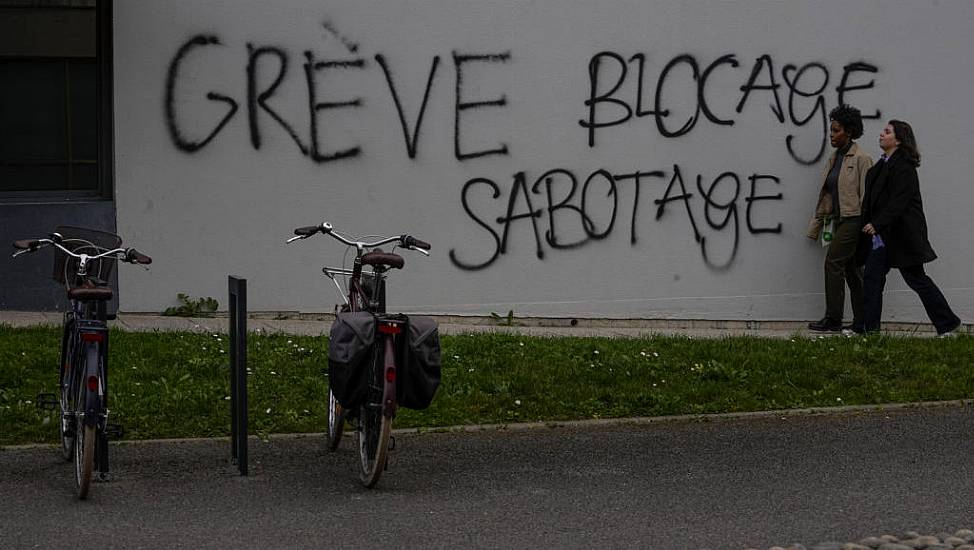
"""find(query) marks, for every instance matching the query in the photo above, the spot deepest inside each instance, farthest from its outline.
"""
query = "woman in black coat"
(893, 220)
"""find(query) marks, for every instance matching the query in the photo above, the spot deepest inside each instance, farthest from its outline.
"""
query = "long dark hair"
(908, 142)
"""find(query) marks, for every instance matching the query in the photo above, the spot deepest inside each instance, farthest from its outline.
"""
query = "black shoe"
(826, 325)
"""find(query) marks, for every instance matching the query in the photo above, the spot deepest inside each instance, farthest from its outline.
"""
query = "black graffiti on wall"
(609, 71)
(568, 206)
(261, 88)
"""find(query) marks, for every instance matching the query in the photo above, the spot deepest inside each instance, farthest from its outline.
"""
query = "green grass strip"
(175, 384)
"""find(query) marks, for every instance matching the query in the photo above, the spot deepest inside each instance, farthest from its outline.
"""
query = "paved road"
(726, 483)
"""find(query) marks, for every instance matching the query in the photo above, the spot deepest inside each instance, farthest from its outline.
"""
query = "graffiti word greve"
(590, 207)
(261, 89)
(608, 71)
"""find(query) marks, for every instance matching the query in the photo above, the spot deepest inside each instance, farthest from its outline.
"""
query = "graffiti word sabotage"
(568, 212)
(607, 107)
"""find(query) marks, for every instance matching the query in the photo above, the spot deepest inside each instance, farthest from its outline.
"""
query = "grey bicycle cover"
(420, 376)
(351, 347)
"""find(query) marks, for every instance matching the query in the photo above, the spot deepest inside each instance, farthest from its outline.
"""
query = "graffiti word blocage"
(589, 209)
(608, 71)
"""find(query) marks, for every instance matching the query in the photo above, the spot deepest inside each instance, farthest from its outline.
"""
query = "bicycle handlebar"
(406, 241)
(129, 255)
(134, 256)
(26, 244)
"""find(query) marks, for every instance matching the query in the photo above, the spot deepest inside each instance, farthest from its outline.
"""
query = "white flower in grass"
(457, 357)
(28, 401)
(517, 402)
(272, 372)
(655, 354)
(838, 399)
(227, 398)
(596, 352)
(654, 384)
(520, 344)
(643, 353)
(469, 370)
(268, 411)
(289, 342)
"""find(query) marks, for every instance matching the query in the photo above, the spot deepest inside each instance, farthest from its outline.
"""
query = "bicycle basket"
(82, 240)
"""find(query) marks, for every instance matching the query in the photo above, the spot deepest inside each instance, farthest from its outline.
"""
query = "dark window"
(48, 137)
(55, 121)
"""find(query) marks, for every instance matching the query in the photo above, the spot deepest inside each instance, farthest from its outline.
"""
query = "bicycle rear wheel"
(84, 442)
(374, 428)
(336, 421)
(84, 459)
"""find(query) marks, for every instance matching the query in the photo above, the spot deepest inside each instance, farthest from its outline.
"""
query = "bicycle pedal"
(114, 431)
(47, 401)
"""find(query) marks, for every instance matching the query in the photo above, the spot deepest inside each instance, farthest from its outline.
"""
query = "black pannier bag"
(351, 349)
(419, 375)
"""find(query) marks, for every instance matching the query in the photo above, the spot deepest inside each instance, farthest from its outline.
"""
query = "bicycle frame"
(389, 327)
(376, 414)
(83, 371)
(85, 342)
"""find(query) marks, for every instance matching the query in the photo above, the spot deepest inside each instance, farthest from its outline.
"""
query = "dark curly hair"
(849, 118)
(908, 142)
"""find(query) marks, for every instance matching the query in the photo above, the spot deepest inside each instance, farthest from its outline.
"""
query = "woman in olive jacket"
(893, 220)
(840, 199)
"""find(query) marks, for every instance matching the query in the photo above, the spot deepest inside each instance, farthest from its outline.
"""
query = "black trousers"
(841, 268)
(874, 281)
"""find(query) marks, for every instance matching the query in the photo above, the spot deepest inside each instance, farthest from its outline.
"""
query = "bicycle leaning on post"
(83, 262)
(377, 361)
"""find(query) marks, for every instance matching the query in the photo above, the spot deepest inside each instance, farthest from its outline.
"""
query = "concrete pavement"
(316, 324)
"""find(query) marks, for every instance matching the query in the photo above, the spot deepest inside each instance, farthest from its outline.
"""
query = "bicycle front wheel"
(374, 428)
(336, 421)
(66, 427)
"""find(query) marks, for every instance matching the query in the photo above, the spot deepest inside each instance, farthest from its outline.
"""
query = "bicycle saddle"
(377, 258)
(90, 294)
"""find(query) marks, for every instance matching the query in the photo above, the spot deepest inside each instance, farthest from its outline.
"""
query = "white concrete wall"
(205, 209)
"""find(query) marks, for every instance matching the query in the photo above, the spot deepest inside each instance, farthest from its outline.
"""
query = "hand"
(868, 229)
